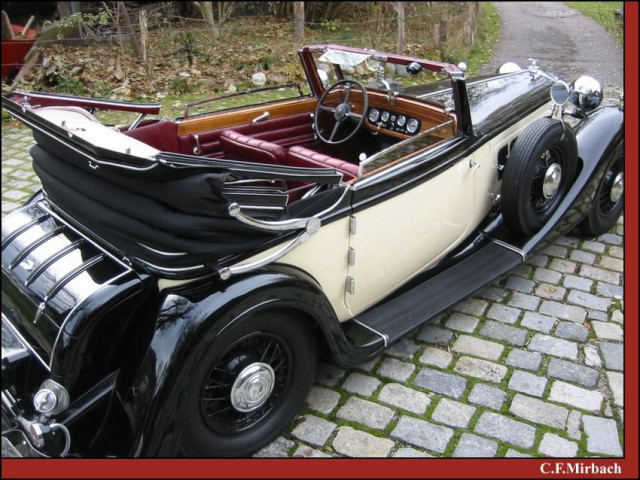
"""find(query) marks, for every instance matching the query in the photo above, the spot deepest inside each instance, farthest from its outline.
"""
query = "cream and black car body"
(170, 288)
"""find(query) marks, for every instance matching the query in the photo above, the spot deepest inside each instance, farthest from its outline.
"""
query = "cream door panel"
(400, 237)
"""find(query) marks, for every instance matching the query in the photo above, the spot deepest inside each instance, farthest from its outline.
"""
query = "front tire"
(248, 387)
(538, 175)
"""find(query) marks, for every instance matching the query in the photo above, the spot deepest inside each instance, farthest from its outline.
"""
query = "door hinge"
(352, 225)
(352, 256)
(351, 285)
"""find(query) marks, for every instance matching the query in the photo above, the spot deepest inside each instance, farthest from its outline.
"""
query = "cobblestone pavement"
(530, 366)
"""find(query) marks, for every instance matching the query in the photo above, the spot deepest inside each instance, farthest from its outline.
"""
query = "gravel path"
(561, 39)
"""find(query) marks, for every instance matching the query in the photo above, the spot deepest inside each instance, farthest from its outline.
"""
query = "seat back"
(240, 147)
(303, 157)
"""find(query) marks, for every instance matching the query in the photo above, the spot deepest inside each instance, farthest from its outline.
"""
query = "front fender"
(197, 314)
(599, 137)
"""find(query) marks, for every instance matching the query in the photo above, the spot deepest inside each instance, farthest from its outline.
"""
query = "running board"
(396, 318)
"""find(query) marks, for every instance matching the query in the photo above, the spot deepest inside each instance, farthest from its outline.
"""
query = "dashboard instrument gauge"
(385, 117)
(412, 126)
(374, 115)
(401, 120)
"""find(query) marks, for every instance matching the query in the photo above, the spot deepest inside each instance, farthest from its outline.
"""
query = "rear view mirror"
(559, 93)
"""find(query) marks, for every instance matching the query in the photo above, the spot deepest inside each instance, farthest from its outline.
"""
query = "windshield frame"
(455, 74)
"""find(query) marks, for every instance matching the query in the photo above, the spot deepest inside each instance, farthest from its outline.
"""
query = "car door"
(405, 223)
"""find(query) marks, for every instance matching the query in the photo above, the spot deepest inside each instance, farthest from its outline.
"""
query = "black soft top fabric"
(175, 210)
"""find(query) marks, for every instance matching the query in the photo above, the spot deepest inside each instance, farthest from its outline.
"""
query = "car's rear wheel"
(248, 386)
(609, 200)
(541, 168)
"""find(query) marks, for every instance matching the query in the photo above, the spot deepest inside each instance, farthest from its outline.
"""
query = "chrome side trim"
(165, 254)
(24, 342)
(512, 248)
(385, 338)
(170, 270)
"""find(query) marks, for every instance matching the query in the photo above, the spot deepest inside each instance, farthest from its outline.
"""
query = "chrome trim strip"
(35, 244)
(20, 230)
(385, 338)
(170, 270)
(51, 260)
(23, 341)
(278, 226)
(43, 205)
(259, 207)
(78, 305)
(159, 252)
(73, 274)
(512, 248)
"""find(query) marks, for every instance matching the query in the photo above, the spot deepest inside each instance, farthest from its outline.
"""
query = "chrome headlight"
(509, 67)
(586, 93)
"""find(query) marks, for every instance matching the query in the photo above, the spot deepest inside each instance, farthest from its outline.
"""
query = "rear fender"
(197, 314)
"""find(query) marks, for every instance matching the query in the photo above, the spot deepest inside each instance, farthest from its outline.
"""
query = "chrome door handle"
(261, 117)
(473, 166)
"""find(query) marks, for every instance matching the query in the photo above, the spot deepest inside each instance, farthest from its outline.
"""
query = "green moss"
(605, 14)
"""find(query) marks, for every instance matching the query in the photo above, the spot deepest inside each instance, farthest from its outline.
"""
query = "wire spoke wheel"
(266, 362)
(246, 384)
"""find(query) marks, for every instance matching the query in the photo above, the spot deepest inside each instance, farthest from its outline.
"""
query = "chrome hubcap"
(252, 387)
(552, 179)
(617, 189)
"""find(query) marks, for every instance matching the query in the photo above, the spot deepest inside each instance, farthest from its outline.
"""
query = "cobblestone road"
(530, 366)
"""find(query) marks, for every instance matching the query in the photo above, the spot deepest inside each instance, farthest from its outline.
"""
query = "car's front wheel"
(541, 168)
(248, 386)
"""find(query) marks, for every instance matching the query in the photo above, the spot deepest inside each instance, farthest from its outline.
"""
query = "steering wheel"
(342, 112)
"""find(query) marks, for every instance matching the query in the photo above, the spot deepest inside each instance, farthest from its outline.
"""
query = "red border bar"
(421, 468)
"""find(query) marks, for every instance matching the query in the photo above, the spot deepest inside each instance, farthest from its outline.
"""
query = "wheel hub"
(342, 112)
(617, 189)
(552, 178)
(252, 387)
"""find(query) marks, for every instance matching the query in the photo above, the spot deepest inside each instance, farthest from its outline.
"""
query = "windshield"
(376, 73)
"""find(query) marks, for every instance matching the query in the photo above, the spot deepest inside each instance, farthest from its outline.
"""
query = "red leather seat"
(240, 147)
(303, 157)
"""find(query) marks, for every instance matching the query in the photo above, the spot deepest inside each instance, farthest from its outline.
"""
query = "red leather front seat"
(240, 147)
(303, 157)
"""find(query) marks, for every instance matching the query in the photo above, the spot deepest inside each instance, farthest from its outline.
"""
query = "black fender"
(599, 135)
(199, 313)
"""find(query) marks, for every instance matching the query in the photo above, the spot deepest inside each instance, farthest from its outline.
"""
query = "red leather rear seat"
(303, 157)
(162, 135)
(240, 147)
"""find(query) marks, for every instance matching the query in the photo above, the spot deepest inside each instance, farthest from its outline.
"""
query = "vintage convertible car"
(170, 288)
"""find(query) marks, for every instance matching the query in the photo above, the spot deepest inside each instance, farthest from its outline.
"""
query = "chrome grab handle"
(279, 225)
(312, 227)
(197, 150)
(261, 117)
